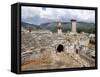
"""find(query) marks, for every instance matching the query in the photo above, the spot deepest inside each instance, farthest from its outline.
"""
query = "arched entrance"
(77, 51)
(60, 48)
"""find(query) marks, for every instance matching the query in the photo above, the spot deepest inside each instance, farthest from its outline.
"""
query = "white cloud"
(58, 14)
(30, 11)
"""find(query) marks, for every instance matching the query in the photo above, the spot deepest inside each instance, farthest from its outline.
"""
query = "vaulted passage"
(60, 48)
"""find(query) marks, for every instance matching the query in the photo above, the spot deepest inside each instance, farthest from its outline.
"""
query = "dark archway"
(60, 48)
(77, 51)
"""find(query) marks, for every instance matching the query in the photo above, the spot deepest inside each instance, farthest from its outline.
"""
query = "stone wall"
(43, 44)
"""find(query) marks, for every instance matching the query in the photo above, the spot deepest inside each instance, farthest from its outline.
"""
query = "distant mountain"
(36, 20)
(66, 26)
(28, 25)
(81, 26)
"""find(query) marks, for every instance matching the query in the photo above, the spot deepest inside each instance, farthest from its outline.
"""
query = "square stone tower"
(73, 25)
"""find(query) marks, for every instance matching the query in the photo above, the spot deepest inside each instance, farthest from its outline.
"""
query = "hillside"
(28, 25)
(81, 26)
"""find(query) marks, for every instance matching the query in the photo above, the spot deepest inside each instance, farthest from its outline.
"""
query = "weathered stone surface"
(40, 48)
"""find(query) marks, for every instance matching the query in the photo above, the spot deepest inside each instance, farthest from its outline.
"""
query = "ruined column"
(73, 25)
(59, 28)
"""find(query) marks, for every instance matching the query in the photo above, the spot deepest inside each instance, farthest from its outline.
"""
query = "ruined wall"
(37, 45)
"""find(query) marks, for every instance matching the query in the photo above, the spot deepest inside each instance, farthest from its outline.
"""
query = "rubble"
(40, 50)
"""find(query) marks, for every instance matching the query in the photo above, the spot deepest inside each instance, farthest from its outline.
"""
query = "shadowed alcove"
(60, 48)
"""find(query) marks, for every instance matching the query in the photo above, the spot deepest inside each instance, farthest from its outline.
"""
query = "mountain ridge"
(81, 26)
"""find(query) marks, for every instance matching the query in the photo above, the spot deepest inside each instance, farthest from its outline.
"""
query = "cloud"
(56, 14)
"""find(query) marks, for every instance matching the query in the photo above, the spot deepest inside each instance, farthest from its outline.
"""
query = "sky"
(39, 15)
